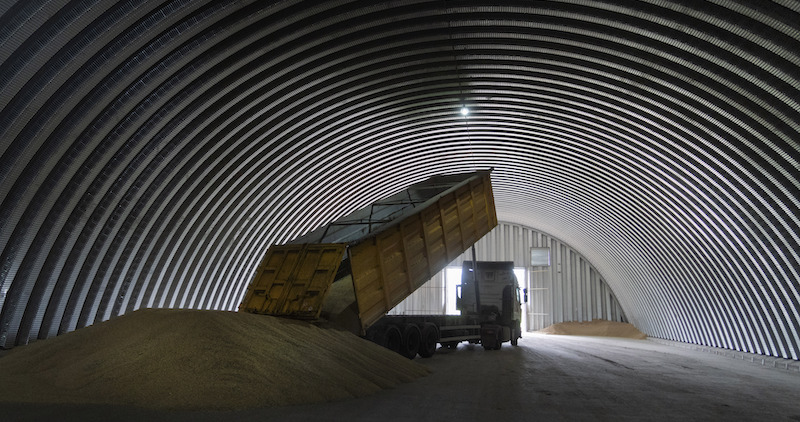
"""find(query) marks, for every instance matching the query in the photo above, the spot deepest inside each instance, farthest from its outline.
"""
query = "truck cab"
(490, 291)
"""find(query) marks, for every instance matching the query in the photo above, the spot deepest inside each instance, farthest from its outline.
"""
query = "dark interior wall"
(153, 150)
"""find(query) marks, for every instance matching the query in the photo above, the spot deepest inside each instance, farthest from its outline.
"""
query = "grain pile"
(184, 359)
(597, 327)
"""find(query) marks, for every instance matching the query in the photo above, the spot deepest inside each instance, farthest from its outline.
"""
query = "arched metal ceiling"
(153, 150)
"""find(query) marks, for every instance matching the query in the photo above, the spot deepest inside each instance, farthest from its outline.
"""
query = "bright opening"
(464, 111)
(452, 278)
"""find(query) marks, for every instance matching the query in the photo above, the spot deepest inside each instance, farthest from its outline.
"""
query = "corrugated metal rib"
(156, 151)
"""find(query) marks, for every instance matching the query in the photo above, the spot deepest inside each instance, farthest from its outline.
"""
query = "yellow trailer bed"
(388, 250)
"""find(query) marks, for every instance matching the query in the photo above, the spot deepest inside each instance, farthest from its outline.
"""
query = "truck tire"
(430, 338)
(389, 337)
(411, 341)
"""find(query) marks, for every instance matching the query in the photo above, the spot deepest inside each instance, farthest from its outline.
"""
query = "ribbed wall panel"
(152, 151)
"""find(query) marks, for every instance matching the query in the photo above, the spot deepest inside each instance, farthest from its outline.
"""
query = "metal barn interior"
(152, 151)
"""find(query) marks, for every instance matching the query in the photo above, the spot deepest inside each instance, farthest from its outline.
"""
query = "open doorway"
(452, 278)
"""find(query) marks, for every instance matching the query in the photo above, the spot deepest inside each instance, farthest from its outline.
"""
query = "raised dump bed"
(352, 271)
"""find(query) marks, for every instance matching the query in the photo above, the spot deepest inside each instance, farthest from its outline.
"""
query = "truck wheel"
(391, 338)
(516, 333)
(430, 337)
(411, 341)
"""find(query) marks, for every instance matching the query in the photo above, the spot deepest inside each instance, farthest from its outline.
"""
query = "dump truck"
(350, 272)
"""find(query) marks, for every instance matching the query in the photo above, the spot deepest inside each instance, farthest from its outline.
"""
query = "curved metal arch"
(198, 133)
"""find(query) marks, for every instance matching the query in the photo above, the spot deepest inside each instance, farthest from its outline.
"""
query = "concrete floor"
(549, 378)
